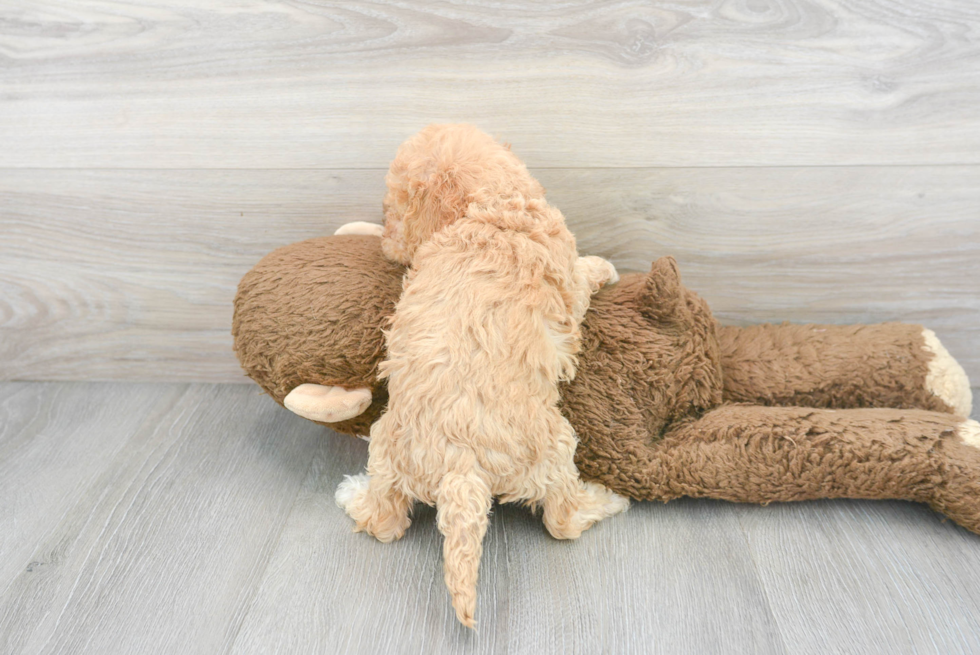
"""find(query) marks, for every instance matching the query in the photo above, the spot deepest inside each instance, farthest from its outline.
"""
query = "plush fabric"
(841, 366)
(313, 312)
(665, 402)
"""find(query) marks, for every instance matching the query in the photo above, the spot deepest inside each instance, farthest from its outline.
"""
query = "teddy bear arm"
(360, 227)
(842, 366)
(327, 404)
(755, 454)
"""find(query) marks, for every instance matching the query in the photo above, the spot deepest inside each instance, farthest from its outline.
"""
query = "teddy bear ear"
(663, 294)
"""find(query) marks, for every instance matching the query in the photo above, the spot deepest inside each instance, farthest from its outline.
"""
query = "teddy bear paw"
(946, 378)
(969, 432)
(327, 404)
(360, 227)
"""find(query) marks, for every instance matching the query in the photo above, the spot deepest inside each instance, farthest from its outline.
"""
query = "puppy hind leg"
(572, 506)
(376, 506)
(463, 503)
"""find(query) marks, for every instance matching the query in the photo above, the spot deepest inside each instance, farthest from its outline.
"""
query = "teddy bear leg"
(376, 506)
(842, 367)
(958, 497)
(327, 404)
(755, 454)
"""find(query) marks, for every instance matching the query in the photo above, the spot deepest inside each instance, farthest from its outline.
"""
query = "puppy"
(487, 326)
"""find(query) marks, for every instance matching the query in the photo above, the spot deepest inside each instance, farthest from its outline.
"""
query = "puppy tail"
(463, 503)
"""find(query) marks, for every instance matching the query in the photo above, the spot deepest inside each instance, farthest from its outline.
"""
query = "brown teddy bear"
(665, 403)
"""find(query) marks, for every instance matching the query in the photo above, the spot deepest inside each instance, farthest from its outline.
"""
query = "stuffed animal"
(486, 327)
(665, 403)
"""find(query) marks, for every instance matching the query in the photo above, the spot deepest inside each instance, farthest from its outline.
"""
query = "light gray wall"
(806, 161)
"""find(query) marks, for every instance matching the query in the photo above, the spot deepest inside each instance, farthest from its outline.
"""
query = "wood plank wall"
(805, 160)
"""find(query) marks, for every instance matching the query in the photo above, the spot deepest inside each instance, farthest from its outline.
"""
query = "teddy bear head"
(313, 312)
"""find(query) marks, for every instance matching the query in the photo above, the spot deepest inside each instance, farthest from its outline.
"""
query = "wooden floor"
(199, 518)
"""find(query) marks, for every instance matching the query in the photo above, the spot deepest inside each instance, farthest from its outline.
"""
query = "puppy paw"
(594, 504)
(609, 502)
(351, 490)
(613, 273)
(383, 516)
(598, 271)
(360, 227)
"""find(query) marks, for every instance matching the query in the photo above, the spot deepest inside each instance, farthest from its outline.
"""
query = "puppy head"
(437, 174)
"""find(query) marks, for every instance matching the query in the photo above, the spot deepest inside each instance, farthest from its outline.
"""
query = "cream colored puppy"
(487, 326)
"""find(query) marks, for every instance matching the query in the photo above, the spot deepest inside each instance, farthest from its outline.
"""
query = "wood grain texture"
(131, 274)
(162, 552)
(259, 83)
(213, 529)
(536, 594)
(55, 442)
(809, 160)
(867, 574)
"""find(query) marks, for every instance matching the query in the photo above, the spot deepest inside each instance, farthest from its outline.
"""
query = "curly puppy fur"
(487, 326)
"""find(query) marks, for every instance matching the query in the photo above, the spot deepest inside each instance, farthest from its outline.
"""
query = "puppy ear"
(416, 197)
(434, 203)
(451, 188)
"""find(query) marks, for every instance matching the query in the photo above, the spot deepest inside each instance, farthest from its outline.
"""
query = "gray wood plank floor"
(175, 518)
